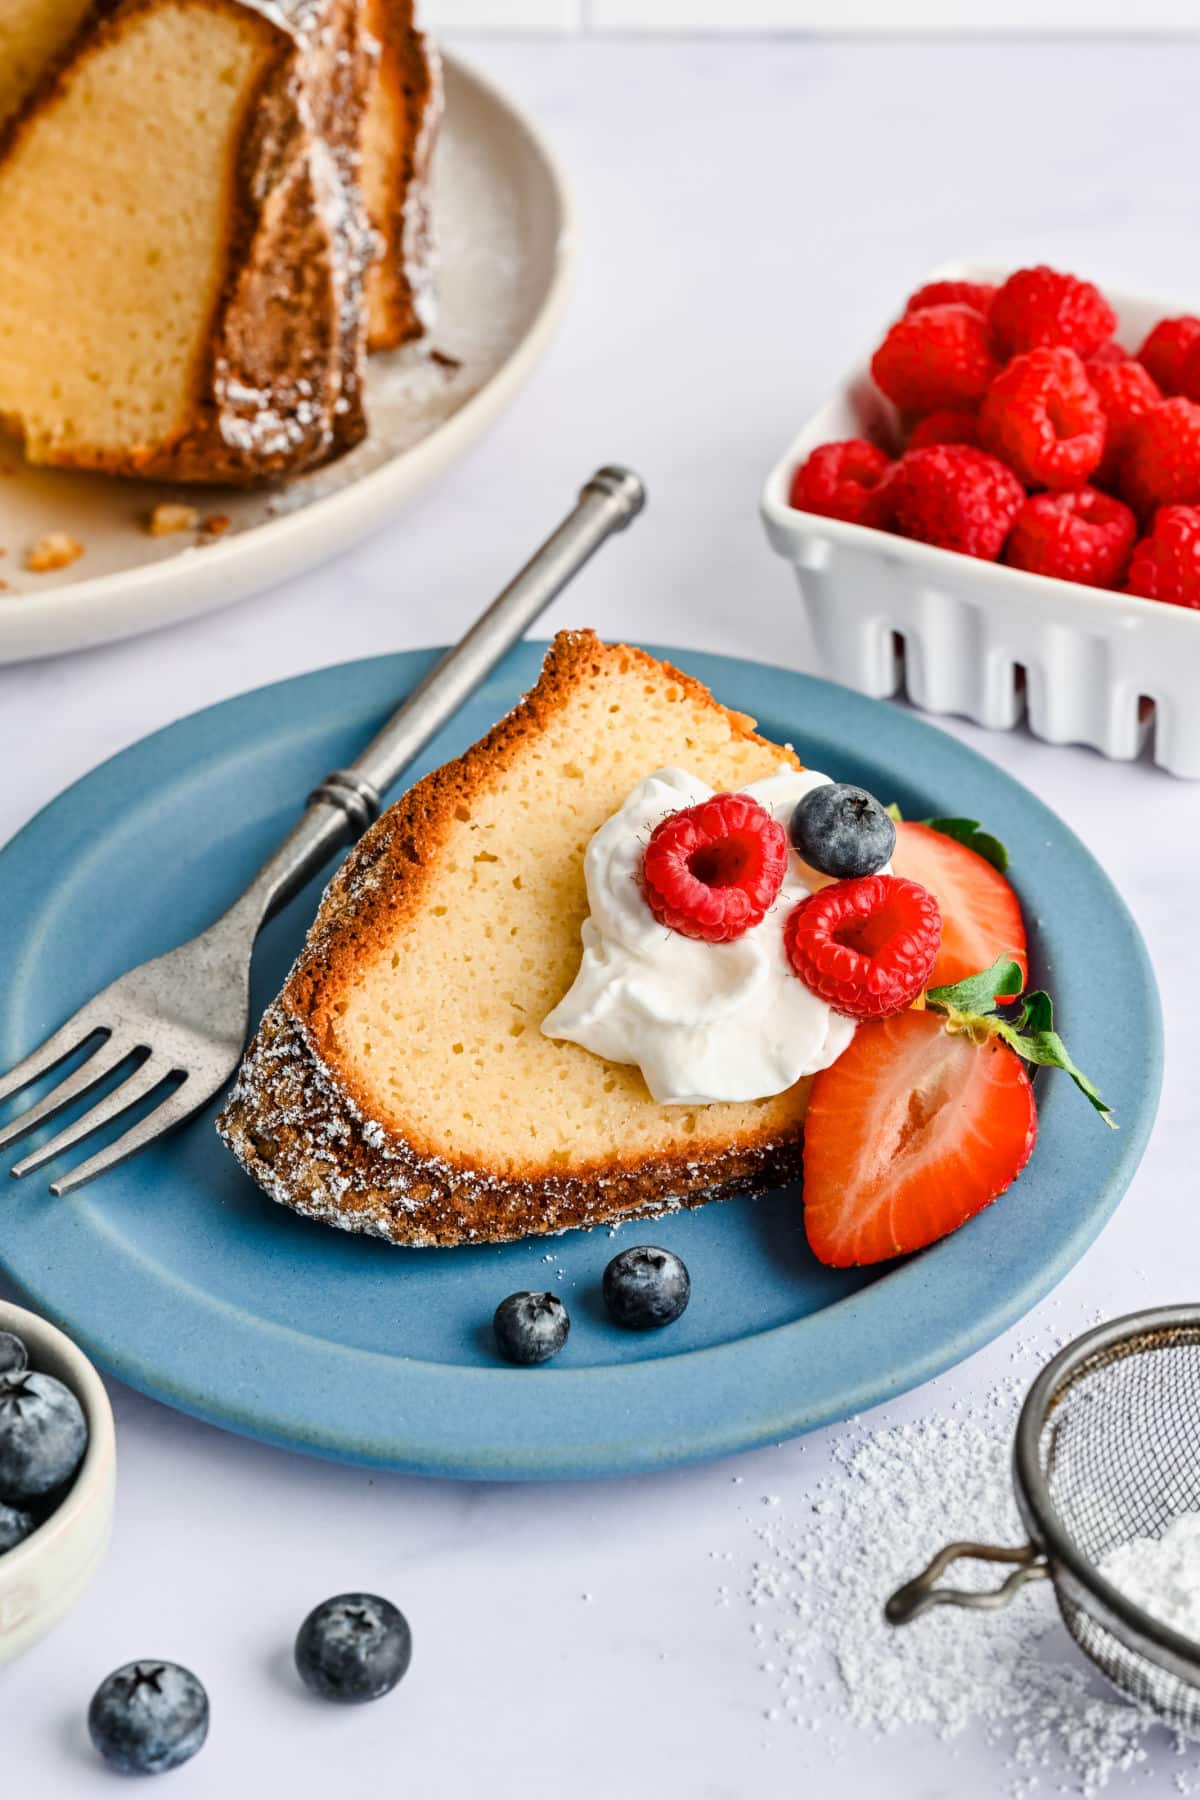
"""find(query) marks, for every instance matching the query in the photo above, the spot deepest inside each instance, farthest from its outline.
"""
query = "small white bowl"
(963, 636)
(41, 1579)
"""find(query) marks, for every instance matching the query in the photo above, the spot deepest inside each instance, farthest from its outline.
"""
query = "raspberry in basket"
(1166, 565)
(1042, 417)
(1042, 306)
(1189, 372)
(1076, 534)
(1164, 349)
(978, 294)
(1161, 464)
(1112, 352)
(1125, 390)
(836, 480)
(939, 356)
(951, 495)
(946, 426)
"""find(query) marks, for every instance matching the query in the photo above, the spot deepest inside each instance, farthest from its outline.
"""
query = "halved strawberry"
(981, 917)
(909, 1133)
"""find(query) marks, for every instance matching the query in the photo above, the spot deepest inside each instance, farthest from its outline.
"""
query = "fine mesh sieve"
(1107, 1449)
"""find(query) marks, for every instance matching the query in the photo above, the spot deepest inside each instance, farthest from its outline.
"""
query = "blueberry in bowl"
(43, 1435)
(57, 1476)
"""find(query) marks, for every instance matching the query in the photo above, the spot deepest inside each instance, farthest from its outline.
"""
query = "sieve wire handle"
(918, 1595)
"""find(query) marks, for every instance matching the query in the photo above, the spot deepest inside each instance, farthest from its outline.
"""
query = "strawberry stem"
(970, 1007)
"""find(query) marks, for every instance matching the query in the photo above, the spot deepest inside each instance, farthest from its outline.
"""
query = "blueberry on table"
(148, 1717)
(531, 1328)
(15, 1526)
(842, 831)
(354, 1647)
(645, 1288)
(13, 1355)
(43, 1435)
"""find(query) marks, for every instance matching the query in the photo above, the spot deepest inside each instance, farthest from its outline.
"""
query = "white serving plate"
(504, 221)
(41, 1579)
(1083, 665)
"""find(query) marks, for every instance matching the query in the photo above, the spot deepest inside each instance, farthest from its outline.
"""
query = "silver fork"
(185, 1015)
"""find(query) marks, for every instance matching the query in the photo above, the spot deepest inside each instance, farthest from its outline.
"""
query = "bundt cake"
(404, 104)
(184, 234)
(401, 1084)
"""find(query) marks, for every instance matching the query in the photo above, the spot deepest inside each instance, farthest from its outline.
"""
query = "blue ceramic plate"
(178, 1275)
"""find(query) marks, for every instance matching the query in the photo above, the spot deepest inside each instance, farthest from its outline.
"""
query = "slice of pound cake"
(402, 1084)
(183, 242)
(399, 128)
(404, 107)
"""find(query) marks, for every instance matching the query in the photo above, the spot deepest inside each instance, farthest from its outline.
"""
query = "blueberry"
(531, 1328)
(13, 1355)
(43, 1435)
(15, 1527)
(645, 1287)
(354, 1647)
(148, 1717)
(842, 830)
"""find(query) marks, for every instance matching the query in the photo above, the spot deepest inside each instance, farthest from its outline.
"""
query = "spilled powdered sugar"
(893, 1496)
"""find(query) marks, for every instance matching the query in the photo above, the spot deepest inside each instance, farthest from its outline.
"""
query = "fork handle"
(348, 800)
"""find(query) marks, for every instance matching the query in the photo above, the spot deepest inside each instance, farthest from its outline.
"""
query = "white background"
(752, 213)
(741, 16)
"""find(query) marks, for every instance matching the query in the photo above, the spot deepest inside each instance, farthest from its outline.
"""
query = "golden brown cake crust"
(300, 1126)
(277, 383)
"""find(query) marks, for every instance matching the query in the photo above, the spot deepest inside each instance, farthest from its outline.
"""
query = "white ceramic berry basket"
(41, 1579)
(1083, 665)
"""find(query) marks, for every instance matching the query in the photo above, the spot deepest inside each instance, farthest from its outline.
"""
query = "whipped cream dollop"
(703, 1022)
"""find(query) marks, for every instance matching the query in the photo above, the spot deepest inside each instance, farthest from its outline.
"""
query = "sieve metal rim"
(1069, 1567)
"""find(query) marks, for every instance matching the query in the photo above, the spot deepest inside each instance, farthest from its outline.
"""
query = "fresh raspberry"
(1125, 390)
(940, 356)
(1106, 354)
(978, 294)
(950, 495)
(712, 870)
(1042, 306)
(866, 947)
(1042, 417)
(836, 480)
(1161, 464)
(946, 426)
(1076, 534)
(1189, 373)
(1166, 565)
(1165, 348)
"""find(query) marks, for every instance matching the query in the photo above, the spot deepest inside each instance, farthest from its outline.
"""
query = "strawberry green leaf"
(976, 996)
(970, 1006)
(968, 832)
(894, 814)
(1033, 1037)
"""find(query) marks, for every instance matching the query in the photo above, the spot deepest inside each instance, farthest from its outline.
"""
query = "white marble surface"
(751, 212)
